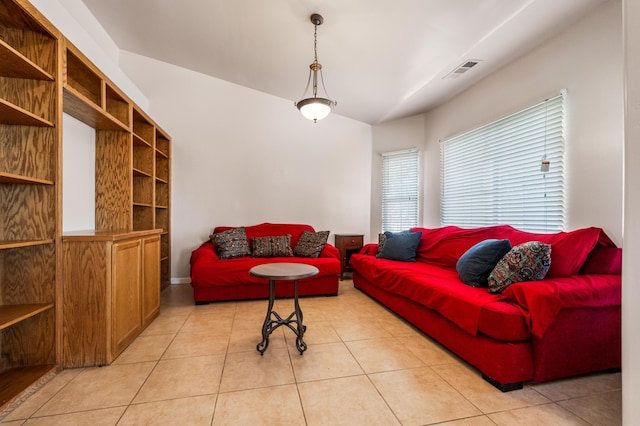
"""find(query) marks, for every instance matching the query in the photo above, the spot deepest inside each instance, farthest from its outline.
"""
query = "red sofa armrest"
(370, 249)
(207, 250)
(330, 251)
(540, 301)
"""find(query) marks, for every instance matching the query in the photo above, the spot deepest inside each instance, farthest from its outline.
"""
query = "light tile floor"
(198, 365)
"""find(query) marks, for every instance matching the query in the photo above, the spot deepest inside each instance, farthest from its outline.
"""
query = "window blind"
(399, 190)
(492, 175)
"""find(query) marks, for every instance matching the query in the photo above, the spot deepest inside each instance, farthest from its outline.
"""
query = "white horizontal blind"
(492, 175)
(399, 190)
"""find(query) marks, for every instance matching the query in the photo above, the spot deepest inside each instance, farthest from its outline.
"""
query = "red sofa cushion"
(208, 269)
(569, 250)
(603, 260)
(472, 309)
(541, 301)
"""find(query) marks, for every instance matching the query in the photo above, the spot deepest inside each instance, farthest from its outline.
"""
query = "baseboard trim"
(183, 280)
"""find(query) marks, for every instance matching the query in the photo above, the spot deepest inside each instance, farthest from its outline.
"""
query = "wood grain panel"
(28, 274)
(150, 279)
(142, 218)
(28, 151)
(162, 194)
(165, 275)
(117, 105)
(31, 342)
(14, 64)
(38, 48)
(162, 143)
(35, 96)
(162, 219)
(92, 115)
(113, 180)
(162, 168)
(28, 212)
(143, 158)
(125, 307)
(164, 245)
(142, 127)
(17, 380)
(83, 80)
(13, 314)
(143, 190)
(86, 298)
(14, 16)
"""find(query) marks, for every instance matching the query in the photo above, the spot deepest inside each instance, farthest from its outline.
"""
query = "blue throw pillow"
(475, 265)
(400, 246)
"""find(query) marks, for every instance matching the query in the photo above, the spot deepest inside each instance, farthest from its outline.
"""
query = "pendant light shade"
(313, 107)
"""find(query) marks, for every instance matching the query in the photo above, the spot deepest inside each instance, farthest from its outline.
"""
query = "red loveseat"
(568, 323)
(214, 279)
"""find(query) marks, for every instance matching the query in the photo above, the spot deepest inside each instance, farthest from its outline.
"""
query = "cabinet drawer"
(350, 241)
(353, 242)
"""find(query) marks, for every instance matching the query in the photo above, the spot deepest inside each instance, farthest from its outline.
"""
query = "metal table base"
(273, 320)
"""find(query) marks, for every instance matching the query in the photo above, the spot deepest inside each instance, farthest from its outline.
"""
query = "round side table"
(283, 271)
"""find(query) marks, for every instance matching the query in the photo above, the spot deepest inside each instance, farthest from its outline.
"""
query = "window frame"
(408, 195)
(492, 175)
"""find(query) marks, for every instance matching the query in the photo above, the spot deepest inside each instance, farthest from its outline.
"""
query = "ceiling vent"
(463, 68)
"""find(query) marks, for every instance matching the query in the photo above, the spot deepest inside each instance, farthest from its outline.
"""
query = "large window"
(400, 190)
(495, 174)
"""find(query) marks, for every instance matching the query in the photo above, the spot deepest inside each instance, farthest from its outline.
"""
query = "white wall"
(242, 157)
(631, 247)
(78, 175)
(586, 59)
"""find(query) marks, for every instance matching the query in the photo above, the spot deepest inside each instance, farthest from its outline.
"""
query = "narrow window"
(400, 190)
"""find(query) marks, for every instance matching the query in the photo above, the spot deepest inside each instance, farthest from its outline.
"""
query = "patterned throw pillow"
(279, 246)
(232, 243)
(311, 243)
(381, 240)
(524, 262)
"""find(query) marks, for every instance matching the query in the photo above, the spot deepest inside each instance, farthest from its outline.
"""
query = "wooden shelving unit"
(42, 75)
(30, 197)
(163, 202)
(133, 154)
(132, 196)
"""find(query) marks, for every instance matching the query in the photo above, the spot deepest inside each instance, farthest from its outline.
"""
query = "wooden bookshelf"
(30, 197)
(43, 75)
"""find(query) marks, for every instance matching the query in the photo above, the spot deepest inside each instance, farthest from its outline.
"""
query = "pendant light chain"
(315, 61)
(315, 53)
(315, 43)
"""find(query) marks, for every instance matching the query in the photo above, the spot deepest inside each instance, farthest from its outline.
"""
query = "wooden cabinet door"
(125, 292)
(150, 279)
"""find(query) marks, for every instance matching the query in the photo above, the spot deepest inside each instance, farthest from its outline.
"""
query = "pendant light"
(315, 108)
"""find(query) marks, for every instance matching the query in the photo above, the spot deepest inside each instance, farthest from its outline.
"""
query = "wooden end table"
(347, 244)
(283, 271)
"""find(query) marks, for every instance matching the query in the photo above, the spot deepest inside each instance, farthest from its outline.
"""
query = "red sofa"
(214, 279)
(567, 324)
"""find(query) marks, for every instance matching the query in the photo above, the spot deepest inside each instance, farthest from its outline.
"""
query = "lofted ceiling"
(382, 59)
